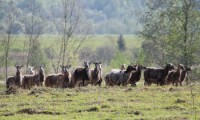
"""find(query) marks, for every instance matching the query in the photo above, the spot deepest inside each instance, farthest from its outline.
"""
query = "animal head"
(169, 66)
(65, 68)
(18, 67)
(187, 68)
(130, 68)
(140, 67)
(30, 68)
(86, 64)
(123, 66)
(41, 68)
(181, 67)
(97, 66)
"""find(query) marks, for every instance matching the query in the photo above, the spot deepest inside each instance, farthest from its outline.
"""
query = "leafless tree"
(6, 36)
(34, 27)
(73, 28)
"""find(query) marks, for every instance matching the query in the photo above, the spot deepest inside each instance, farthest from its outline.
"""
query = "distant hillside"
(107, 16)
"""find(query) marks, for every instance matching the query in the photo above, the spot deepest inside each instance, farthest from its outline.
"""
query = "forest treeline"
(106, 16)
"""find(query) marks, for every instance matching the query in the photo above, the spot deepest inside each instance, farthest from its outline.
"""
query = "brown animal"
(82, 75)
(119, 77)
(59, 80)
(157, 75)
(136, 75)
(29, 81)
(96, 74)
(184, 74)
(15, 80)
(174, 76)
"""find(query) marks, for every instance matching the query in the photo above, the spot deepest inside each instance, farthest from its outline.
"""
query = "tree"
(73, 28)
(6, 36)
(170, 29)
(34, 27)
(121, 43)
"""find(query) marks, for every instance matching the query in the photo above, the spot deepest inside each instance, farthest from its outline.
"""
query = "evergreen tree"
(121, 43)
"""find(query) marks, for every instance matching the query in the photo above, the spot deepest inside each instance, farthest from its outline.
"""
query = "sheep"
(119, 77)
(135, 77)
(82, 75)
(157, 75)
(29, 81)
(59, 80)
(96, 74)
(15, 80)
(174, 76)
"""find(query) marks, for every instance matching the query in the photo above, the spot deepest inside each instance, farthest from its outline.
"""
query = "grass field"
(101, 103)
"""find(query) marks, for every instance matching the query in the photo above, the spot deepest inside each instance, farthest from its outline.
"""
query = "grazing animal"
(135, 77)
(119, 77)
(174, 76)
(29, 81)
(82, 75)
(59, 80)
(157, 75)
(184, 74)
(96, 74)
(15, 80)
(30, 70)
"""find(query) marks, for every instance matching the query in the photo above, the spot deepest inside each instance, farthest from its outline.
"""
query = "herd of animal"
(85, 75)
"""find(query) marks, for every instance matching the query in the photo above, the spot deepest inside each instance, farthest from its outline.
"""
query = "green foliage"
(119, 59)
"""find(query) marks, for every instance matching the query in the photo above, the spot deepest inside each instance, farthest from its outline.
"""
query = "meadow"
(101, 103)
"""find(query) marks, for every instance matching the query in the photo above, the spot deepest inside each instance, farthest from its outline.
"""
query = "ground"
(105, 103)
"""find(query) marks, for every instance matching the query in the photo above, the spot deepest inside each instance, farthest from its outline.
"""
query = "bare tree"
(73, 28)
(6, 35)
(34, 27)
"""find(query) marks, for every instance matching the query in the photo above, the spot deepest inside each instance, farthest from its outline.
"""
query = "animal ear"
(68, 66)
(99, 62)
(61, 66)
(21, 66)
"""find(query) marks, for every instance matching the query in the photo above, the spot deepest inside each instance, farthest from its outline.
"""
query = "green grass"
(93, 41)
(105, 103)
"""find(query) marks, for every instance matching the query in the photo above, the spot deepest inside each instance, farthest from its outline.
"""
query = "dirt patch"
(23, 104)
(111, 99)
(128, 90)
(105, 106)
(37, 91)
(35, 111)
(4, 105)
(174, 108)
(93, 109)
(7, 114)
(135, 112)
(180, 101)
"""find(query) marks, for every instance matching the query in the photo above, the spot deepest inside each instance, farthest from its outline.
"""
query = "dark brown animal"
(96, 74)
(157, 75)
(60, 80)
(184, 74)
(15, 80)
(119, 77)
(136, 76)
(29, 81)
(174, 76)
(82, 75)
